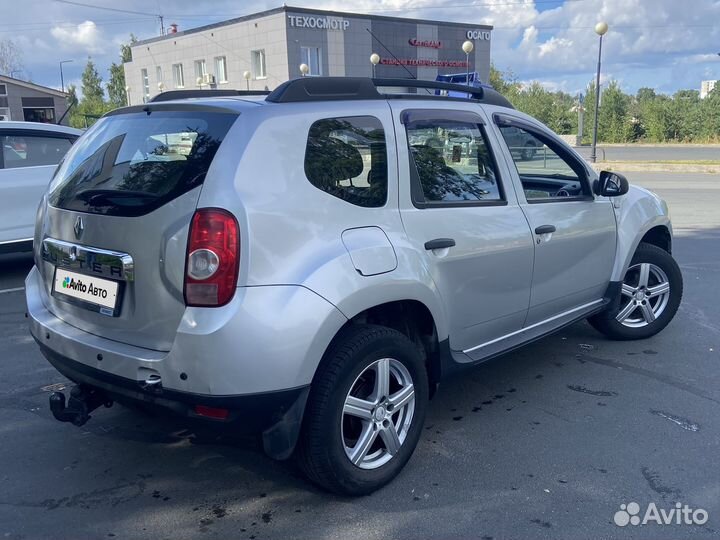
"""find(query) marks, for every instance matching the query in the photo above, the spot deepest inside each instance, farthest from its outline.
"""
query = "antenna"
(390, 53)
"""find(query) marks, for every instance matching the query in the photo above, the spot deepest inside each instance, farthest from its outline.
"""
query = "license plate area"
(89, 292)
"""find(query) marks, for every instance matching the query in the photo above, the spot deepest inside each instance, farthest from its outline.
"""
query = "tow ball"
(83, 400)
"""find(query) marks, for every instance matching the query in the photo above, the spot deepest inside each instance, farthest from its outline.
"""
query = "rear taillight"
(213, 257)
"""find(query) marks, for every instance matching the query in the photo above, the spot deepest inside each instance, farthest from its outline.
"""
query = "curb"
(636, 166)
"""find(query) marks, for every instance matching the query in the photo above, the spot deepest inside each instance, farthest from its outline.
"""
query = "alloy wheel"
(645, 295)
(377, 413)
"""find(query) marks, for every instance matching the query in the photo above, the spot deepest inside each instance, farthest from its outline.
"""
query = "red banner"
(423, 62)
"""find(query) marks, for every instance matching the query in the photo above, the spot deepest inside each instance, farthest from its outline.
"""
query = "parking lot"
(544, 442)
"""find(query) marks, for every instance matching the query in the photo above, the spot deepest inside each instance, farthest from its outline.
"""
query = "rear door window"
(29, 150)
(451, 160)
(130, 164)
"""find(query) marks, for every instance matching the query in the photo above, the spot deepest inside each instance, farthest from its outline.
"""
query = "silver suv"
(309, 264)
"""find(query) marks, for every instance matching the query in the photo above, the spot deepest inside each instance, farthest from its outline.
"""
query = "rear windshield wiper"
(104, 197)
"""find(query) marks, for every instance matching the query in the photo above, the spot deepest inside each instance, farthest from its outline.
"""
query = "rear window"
(131, 164)
(347, 158)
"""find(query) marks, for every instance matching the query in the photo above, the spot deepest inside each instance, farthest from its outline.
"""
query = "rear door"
(118, 211)
(461, 213)
(27, 161)
(574, 231)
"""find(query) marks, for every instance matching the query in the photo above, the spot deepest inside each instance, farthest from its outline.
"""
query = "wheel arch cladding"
(659, 236)
(413, 319)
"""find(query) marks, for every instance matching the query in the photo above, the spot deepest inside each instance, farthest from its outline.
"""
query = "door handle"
(439, 243)
(545, 229)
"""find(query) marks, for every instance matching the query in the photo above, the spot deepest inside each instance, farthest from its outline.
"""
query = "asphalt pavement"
(545, 442)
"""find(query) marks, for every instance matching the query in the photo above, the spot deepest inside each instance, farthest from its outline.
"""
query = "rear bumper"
(267, 339)
(255, 357)
(254, 413)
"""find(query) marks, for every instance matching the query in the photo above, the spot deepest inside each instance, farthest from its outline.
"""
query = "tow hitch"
(83, 400)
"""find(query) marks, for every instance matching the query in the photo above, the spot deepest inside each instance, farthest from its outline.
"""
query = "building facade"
(706, 87)
(25, 101)
(260, 51)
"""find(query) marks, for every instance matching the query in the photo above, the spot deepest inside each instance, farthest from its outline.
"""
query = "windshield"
(131, 164)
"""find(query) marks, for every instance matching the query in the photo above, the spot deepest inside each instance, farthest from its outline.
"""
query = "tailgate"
(112, 236)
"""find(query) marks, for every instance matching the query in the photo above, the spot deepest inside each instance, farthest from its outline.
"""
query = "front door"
(574, 231)
(460, 211)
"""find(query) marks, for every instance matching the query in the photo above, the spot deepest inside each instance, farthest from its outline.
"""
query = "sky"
(663, 44)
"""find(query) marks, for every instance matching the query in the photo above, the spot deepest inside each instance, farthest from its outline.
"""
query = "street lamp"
(304, 69)
(601, 29)
(374, 60)
(62, 79)
(127, 95)
(247, 76)
(467, 48)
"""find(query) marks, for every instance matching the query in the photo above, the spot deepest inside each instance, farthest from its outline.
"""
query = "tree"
(117, 97)
(92, 84)
(10, 57)
(504, 82)
(75, 118)
(93, 104)
(614, 124)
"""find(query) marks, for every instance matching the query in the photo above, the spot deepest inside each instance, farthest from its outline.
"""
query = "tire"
(349, 366)
(638, 323)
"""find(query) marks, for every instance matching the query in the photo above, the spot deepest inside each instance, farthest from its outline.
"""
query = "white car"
(30, 153)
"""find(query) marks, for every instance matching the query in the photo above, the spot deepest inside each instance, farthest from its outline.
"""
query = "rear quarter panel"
(291, 232)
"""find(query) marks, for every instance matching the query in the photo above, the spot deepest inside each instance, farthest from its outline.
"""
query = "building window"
(221, 69)
(159, 74)
(311, 57)
(3, 90)
(258, 64)
(45, 115)
(146, 85)
(178, 76)
(200, 70)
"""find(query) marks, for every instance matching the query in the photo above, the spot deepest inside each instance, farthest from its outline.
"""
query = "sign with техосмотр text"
(318, 23)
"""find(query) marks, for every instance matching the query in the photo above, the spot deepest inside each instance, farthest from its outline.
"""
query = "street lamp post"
(601, 29)
(62, 78)
(304, 69)
(247, 76)
(374, 60)
(467, 48)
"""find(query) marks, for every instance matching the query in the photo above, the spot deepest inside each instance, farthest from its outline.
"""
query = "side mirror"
(611, 184)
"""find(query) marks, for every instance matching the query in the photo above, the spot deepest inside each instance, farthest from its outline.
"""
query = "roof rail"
(358, 88)
(170, 95)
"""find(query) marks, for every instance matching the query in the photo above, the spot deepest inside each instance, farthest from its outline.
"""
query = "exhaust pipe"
(83, 400)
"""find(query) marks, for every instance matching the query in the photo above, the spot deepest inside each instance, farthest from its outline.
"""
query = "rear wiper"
(101, 197)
